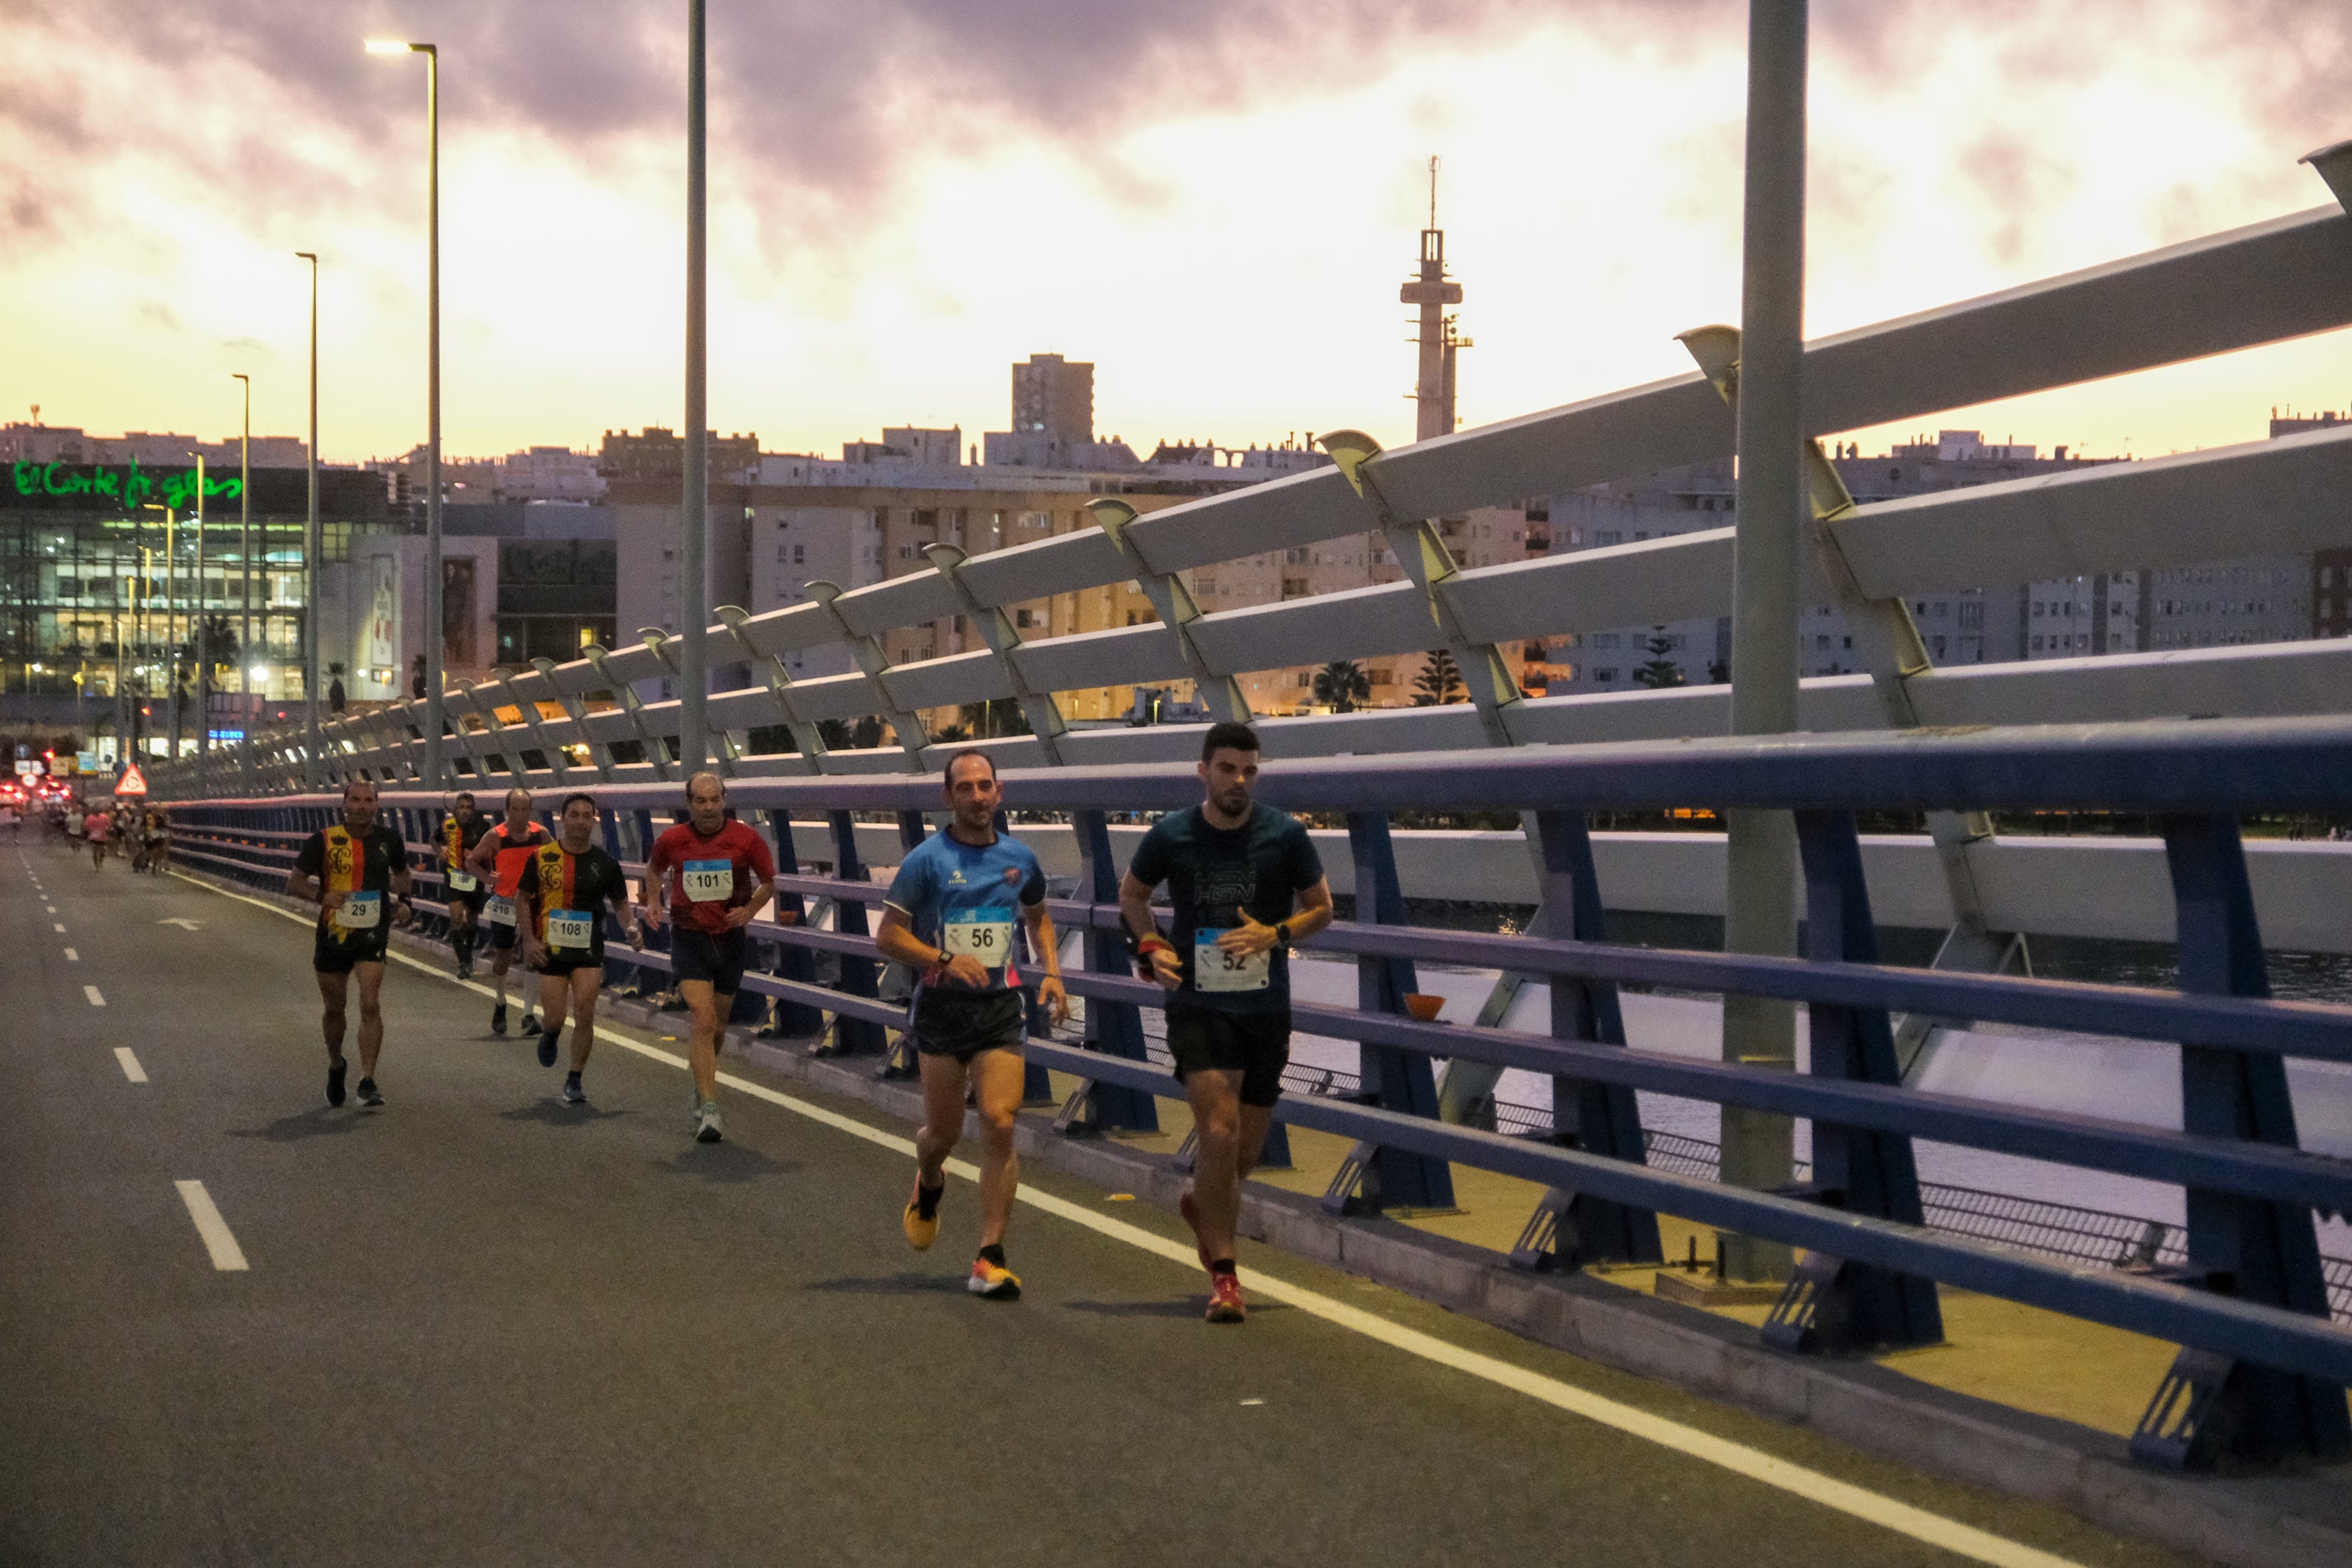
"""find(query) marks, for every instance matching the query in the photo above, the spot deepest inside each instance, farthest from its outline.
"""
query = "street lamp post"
(433, 708)
(694, 512)
(310, 552)
(245, 558)
(201, 634)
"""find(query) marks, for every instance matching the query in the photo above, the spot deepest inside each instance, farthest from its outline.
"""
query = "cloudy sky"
(1214, 200)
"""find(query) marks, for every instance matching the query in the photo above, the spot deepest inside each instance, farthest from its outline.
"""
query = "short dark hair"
(578, 795)
(1227, 737)
(947, 775)
(465, 794)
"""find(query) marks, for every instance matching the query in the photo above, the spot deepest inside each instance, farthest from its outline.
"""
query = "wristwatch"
(1282, 934)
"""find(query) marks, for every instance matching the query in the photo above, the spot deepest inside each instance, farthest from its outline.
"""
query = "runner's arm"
(656, 888)
(1313, 912)
(763, 866)
(1047, 947)
(627, 912)
(482, 860)
(1144, 931)
(897, 942)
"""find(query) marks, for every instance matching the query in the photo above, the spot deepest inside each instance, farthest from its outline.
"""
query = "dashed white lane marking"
(95, 999)
(1828, 1491)
(61, 927)
(131, 1067)
(72, 957)
(219, 1240)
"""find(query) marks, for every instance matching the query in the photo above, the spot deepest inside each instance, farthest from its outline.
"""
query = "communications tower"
(1433, 391)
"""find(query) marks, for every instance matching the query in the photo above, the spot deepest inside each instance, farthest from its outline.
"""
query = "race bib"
(707, 882)
(462, 882)
(500, 912)
(1214, 969)
(983, 934)
(361, 911)
(572, 929)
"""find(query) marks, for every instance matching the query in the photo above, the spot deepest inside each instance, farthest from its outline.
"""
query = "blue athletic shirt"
(963, 899)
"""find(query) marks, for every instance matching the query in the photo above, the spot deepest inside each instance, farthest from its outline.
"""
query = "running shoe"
(530, 1022)
(706, 1122)
(920, 1232)
(1225, 1304)
(335, 1084)
(572, 1094)
(499, 1019)
(993, 1281)
(547, 1045)
(371, 1097)
(1190, 1210)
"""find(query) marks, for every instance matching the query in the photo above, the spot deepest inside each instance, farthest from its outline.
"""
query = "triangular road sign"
(132, 782)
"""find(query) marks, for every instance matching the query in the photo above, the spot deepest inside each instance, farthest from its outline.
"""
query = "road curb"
(2280, 1521)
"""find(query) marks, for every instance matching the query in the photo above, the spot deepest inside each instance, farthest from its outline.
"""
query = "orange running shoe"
(1225, 1304)
(993, 1282)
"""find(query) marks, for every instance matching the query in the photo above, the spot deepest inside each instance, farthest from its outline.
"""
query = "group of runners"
(1243, 884)
(141, 832)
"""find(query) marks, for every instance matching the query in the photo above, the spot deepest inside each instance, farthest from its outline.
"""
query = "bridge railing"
(2263, 1369)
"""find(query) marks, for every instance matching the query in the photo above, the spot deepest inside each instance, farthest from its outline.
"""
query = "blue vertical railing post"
(852, 1036)
(1114, 1029)
(1831, 1304)
(1571, 1229)
(1373, 1178)
(795, 1020)
(901, 1061)
(2210, 1410)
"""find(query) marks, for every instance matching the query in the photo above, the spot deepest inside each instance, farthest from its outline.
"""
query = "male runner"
(1245, 883)
(460, 831)
(566, 888)
(950, 917)
(501, 855)
(353, 871)
(159, 840)
(708, 875)
(95, 828)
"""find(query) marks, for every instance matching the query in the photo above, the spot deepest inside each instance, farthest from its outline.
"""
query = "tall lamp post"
(202, 634)
(245, 558)
(433, 713)
(310, 552)
(694, 512)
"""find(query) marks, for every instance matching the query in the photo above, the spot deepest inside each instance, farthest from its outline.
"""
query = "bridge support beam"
(656, 754)
(806, 742)
(600, 756)
(1174, 602)
(875, 664)
(2212, 1412)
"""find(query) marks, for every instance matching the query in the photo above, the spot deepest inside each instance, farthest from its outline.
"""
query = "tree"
(335, 697)
(994, 719)
(1342, 686)
(1660, 671)
(951, 734)
(1440, 680)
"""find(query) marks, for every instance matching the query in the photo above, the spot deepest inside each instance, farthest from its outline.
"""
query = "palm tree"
(1342, 686)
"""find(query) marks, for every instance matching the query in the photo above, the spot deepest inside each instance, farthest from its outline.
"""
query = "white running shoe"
(706, 1122)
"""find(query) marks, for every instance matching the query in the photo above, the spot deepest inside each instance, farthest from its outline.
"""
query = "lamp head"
(388, 46)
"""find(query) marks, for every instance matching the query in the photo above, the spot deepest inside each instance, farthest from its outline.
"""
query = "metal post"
(310, 627)
(694, 512)
(244, 559)
(1759, 909)
(204, 645)
(434, 775)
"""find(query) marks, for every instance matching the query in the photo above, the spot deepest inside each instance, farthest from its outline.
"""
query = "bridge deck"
(478, 1327)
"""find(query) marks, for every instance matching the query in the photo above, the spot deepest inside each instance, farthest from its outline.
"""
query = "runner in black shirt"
(460, 831)
(566, 888)
(358, 873)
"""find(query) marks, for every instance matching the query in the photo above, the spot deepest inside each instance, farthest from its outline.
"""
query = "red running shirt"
(707, 877)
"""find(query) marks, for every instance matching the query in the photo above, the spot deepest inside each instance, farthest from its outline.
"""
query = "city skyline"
(883, 268)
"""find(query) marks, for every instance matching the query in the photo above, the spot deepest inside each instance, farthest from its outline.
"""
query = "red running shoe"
(1191, 1212)
(1225, 1304)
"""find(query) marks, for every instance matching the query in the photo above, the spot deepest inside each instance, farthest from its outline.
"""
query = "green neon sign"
(127, 484)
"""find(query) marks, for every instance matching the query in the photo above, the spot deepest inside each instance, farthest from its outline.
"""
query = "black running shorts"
(569, 963)
(719, 960)
(963, 1024)
(1254, 1045)
(330, 954)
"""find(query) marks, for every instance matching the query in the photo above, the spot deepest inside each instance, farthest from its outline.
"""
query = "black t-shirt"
(561, 886)
(1215, 875)
(348, 862)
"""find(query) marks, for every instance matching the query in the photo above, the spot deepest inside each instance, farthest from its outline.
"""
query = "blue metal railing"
(2263, 1369)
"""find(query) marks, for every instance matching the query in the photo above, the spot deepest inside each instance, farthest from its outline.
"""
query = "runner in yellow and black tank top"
(566, 890)
(357, 872)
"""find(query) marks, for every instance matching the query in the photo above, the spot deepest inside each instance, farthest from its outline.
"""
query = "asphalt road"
(478, 1327)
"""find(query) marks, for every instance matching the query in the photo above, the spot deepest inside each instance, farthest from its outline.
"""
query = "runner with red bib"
(708, 875)
(501, 856)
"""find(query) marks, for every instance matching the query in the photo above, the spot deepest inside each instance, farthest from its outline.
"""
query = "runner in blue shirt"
(950, 917)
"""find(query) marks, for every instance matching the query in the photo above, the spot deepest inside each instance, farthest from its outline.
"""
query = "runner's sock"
(572, 1079)
(1222, 1266)
(994, 1253)
(926, 1200)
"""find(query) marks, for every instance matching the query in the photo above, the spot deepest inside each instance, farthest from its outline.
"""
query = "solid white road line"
(95, 999)
(227, 1256)
(131, 1067)
(72, 957)
(1932, 1529)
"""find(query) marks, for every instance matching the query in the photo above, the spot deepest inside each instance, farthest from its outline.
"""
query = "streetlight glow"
(388, 46)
